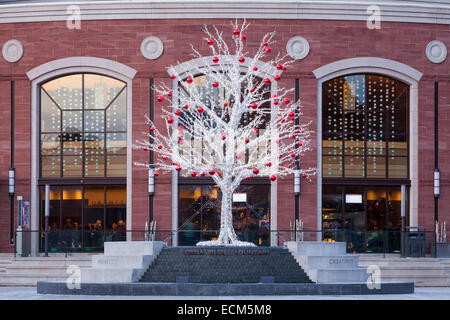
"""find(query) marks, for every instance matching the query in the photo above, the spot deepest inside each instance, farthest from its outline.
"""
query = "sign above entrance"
(353, 198)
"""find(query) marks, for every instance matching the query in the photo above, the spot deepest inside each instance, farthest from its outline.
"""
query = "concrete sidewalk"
(29, 293)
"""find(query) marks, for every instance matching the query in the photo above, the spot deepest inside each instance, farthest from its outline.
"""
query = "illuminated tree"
(243, 130)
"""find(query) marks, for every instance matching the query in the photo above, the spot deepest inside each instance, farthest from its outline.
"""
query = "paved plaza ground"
(29, 293)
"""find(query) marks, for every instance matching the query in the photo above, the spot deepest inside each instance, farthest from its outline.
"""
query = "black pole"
(151, 116)
(11, 198)
(297, 162)
(436, 147)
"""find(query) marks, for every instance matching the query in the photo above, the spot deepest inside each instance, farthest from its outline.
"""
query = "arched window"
(365, 127)
(199, 198)
(365, 160)
(83, 134)
(83, 127)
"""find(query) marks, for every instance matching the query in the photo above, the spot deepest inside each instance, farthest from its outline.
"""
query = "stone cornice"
(425, 11)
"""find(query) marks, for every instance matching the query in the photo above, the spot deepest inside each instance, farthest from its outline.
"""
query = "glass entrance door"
(199, 213)
(368, 218)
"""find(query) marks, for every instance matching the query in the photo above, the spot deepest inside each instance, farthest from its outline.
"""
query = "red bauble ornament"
(292, 155)
(225, 104)
(265, 44)
(268, 164)
(211, 172)
(193, 174)
(238, 156)
(284, 68)
(160, 98)
(277, 78)
(200, 110)
(186, 106)
(267, 81)
(247, 140)
(243, 37)
(173, 77)
(286, 101)
(255, 171)
(152, 129)
(180, 127)
(223, 136)
(254, 106)
(170, 94)
(177, 112)
(255, 131)
(203, 174)
(215, 59)
(275, 102)
(267, 49)
(165, 156)
(170, 120)
(252, 90)
(279, 66)
(293, 136)
(255, 68)
(291, 114)
(210, 42)
(178, 168)
(145, 149)
(189, 80)
(156, 173)
(219, 174)
(300, 143)
(236, 32)
(273, 178)
(215, 84)
(303, 175)
(248, 178)
(241, 59)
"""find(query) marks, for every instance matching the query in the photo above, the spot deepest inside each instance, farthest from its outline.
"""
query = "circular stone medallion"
(436, 51)
(297, 47)
(12, 50)
(152, 48)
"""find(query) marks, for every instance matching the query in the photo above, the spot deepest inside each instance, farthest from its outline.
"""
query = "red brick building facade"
(398, 48)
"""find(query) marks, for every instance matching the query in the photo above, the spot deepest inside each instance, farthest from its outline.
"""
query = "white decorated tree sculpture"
(225, 124)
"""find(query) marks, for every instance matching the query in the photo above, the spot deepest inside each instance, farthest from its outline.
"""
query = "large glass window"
(365, 127)
(82, 218)
(83, 127)
(215, 97)
(199, 215)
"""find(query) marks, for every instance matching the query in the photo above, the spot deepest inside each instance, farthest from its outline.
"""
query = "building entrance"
(199, 213)
(368, 218)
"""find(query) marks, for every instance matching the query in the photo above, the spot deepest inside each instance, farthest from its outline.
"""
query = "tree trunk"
(227, 236)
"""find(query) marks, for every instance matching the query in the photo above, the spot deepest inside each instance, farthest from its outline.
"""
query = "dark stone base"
(443, 250)
(229, 289)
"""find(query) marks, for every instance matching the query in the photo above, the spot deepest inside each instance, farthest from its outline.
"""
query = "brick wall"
(120, 41)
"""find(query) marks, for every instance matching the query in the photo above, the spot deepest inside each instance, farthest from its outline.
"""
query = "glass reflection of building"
(364, 160)
(83, 158)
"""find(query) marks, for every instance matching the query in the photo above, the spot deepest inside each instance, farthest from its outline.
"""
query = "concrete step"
(121, 262)
(338, 275)
(28, 279)
(332, 262)
(122, 248)
(420, 280)
(42, 270)
(316, 248)
(84, 262)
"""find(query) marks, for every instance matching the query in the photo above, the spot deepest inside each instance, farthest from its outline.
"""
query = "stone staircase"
(424, 272)
(327, 262)
(225, 265)
(27, 271)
